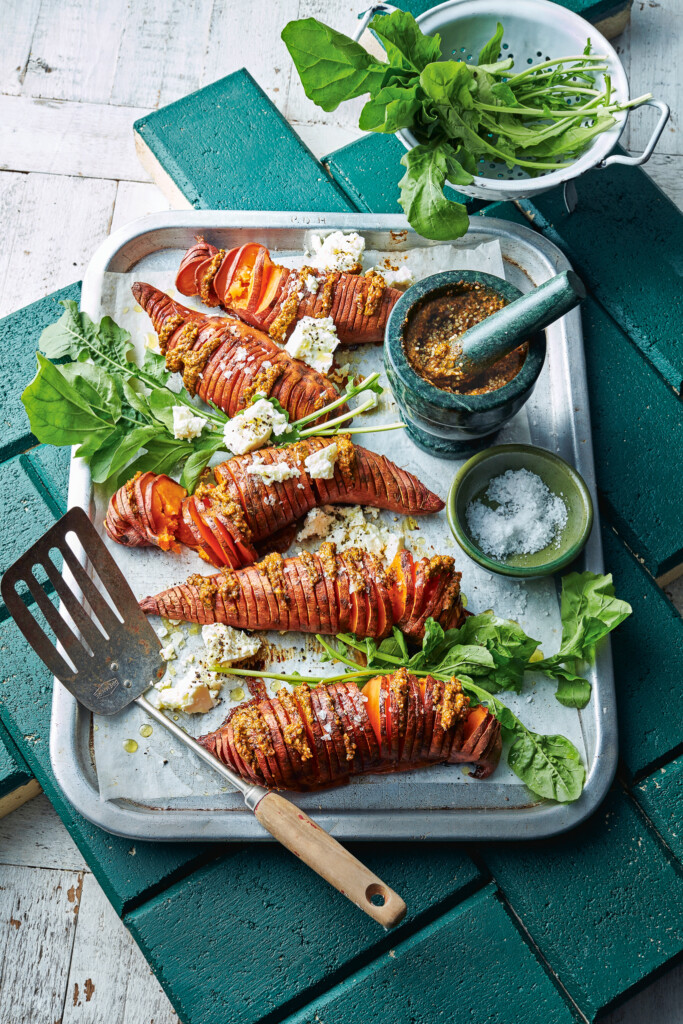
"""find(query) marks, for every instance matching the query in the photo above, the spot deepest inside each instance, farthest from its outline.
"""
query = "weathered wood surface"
(74, 74)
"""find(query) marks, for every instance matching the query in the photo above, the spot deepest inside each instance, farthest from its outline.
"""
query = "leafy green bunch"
(462, 115)
(489, 655)
(121, 414)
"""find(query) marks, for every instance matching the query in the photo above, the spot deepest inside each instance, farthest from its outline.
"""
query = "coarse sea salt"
(526, 518)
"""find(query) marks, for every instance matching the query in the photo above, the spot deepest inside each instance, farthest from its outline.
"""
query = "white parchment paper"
(162, 773)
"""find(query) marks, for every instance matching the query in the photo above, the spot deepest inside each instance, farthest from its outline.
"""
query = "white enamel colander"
(535, 30)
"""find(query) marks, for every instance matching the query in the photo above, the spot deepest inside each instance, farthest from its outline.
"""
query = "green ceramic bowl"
(558, 476)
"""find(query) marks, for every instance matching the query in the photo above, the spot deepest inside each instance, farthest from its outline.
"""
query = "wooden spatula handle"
(315, 847)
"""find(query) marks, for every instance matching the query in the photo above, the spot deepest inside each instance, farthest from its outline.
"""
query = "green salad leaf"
(539, 119)
(332, 67)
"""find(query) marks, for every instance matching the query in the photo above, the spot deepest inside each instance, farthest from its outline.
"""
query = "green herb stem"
(338, 401)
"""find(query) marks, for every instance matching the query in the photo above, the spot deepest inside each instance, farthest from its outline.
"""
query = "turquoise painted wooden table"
(569, 926)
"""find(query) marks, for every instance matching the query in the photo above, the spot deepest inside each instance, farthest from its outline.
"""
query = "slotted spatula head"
(112, 656)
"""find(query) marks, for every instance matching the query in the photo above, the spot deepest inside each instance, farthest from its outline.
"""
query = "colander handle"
(642, 158)
(367, 17)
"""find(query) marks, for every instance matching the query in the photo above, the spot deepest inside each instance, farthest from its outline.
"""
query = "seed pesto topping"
(437, 564)
(186, 339)
(230, 509)
(206, 588)
(353, 562)
(263, 382)
(167, 330)
(272, 567)
(130, 491)
(290, 306)
(196, 361)
(294, 733)
(251, 733)
(327, 295)
(372, 299)
(228, 585)
(205, 286)
(311, 565)
(327, 553)
(454, 704)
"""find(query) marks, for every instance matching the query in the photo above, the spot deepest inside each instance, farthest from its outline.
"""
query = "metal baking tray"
(558, 416)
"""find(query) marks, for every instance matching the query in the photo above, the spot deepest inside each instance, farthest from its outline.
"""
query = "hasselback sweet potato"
(227, 362)
(245, 281)
(310, 739)
(224, 522)
(323, 592)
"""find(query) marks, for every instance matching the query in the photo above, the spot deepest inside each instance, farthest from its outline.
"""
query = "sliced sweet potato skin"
(311, 739)
(249, 291)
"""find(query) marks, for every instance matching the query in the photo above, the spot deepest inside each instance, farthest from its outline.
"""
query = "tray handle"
(642, 158)
(294, 829)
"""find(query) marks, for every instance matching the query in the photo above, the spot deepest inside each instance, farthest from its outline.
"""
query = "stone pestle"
(492, 338)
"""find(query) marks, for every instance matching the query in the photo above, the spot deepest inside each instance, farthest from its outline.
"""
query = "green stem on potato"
(337, 402)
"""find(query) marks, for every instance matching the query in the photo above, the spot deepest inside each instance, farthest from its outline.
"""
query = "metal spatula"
(111, 665)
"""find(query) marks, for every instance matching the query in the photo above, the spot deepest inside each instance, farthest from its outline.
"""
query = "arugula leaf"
(405, 43)
(332, 67)
(489, 52)
(422, 191)
(117, 452)
(76, 336)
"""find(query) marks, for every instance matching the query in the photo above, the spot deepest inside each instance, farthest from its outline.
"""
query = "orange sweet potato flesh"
(334, 744)
(166, 499)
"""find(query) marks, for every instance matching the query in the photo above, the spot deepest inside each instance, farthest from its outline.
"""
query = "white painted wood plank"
(57, 227)
(135, 200)
(656, 67)
(38, 915)
(75, 50)
(343, 17)
(667, 170)
(110, 979)
(66, 137)
(16, 46)
(323, 139)
(34, 836)
(162, 51)
(253, 41)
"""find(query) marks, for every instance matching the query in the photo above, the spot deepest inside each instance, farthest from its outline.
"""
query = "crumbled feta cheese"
(311, 284)
(175, 642)
(276, 472)
(193, 695)
(240, 355)
(225, 644)
(185, 425)
(317, 523)
(252, 428)
(349, 527)
(320, 464)
(337, 251)
(401, 278)
(313, 341)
